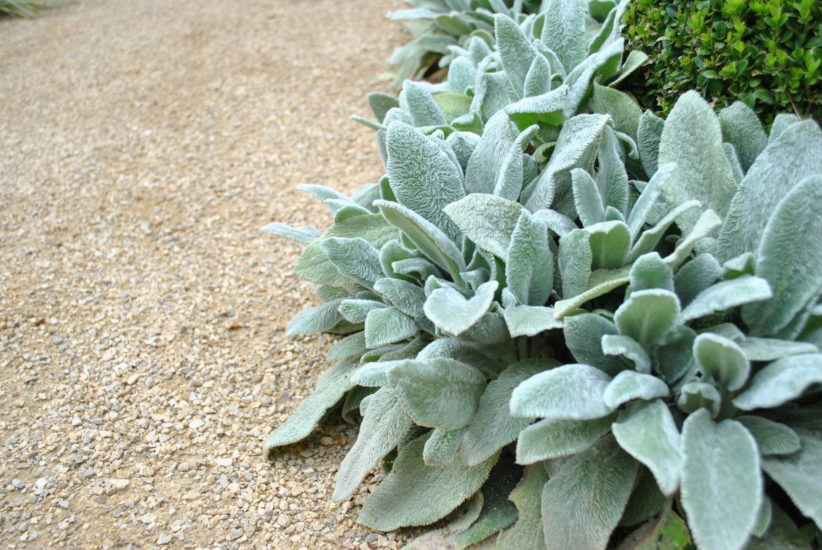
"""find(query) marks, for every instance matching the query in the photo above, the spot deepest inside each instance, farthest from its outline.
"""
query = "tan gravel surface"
(143, 358)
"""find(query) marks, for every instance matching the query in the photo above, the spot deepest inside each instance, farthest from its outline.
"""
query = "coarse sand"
(143, 358)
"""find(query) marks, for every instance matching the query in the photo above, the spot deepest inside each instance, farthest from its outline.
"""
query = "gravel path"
(142, 350)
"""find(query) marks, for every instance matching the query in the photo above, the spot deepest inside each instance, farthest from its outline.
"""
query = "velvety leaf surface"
(529, 269)
(648, 315)
(487, 220)
(781, 381)
(569, 392)
(450, 311)
(530, 320)
(550, 438)
(583, 334)
(799, 476)
(564, 31)
(741, 127)
(629, 385)
(772, 437)
(305, 234)
(722, 359)
(526, 533)
(386, 326)
(726, 295)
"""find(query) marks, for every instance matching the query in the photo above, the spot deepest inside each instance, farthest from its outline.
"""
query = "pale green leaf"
(726, 295)
(574, 259)
(546, 108)
(384, 426)
(609, 243)
(509, 180)
(416, 494)
(388, 325)
(721, 483)
(771, 349)
(538, 79)
(772, 437)
(381, 103)
(647, 315)
(499, 135)
(781, 381)
(625, 346)
(526, 533)
(451, 312)
(551, 438)
(629, 385)
(799, 475)
(569, 392)
(529, 269)
(356, 310)
(349, 346)
(741, 127)
(695, 276)
(648, 433)
(442, 447)
(583, 334)
(487, 220)
(515, 51)
(405, 296)
(587, 199)
(305, 234)
(601, 282)
(699, 395)
(583, 502)
(722, 359)
(438, 393)
(623, 109)
(649, 134)
(315, 319)
(564, 31)
(650, 272)
(530, 320)
(416, 100)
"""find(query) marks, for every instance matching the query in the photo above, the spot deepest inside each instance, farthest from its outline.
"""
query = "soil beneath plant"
(143, 358)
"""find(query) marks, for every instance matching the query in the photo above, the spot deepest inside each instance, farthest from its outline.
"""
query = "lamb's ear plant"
(611, 319)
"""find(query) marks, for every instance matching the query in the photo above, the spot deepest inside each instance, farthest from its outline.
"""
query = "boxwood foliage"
(605, 338)
(765, 52)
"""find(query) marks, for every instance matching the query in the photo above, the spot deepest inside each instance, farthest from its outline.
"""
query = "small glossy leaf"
(331, 386)
(417, 494)
(386, 326)
(781, 381)
(647, 315)
(721, 482)
(583, 502)
(569, 392)
(629, 385)
(383, 427)
(451, 312)
(487, 220)
(438, 393)
(799, 476)
(550, 438)
(722, 359)
(772, 437)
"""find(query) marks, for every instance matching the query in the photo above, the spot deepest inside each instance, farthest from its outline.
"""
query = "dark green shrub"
(764, 52)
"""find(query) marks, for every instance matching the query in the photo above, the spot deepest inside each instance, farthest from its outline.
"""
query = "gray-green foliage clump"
(575, 328)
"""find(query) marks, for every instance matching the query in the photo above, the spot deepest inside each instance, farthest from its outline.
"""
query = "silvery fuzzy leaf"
(649, 239)
(799, 476)
(349, 410)
(438, 393)
(602, 65)
(416, 100)
(451, 312)
(374, 374)
(509, 181)
(329, 293)
(600, 282)
(772, 437)
(381, 103)
(695, 276)
(315, 267)
(722, 359)
(367, 194)
(461, 75)
(733, 160)
(781, 381)
(699, 395)
(569, 392)
(538, 78)
(721, 483)
(763, 518)
(482, 171)
(417, 494)
(692, 138)
(305, 234)
(529, 271)
(648, 272)
(423, 177)
(584, 501)
(432, 242)
(707, 223)
(524, 320)
(463, 145)
(548, 108)
(402, 350)
(609, 243)
(405, 296)
(726, 295)
(634, 61)
(786, 161)
(487, 220)
(575, 259)
(556, 222)
(647, 315)
(452, 349)
(673, 356)
(551, 438)
(331, 386)
(646, 502)
(367, 123)
(788, 259)
(442, 447)
(564, 31)
(526, 533)
(355, 311)
(629, 385)
(612, 178)
(355, 258)
(491, 94)
(587, 199)
(315, 319)
(619, 345)
(415, 269)
(391, 252)
(647, 200)
(583, 334)
(610, 26)
(386, 326)
(516, 52)
(771, 349)
(452, 105)
(781, 534)
(623, 109)
(575, 148)
(344, 210)
(741, 128)
(350, 346)
(384, 426)
(493, 427)
(729, 331)
(649, 134)
(648, 433)
(782, 122)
